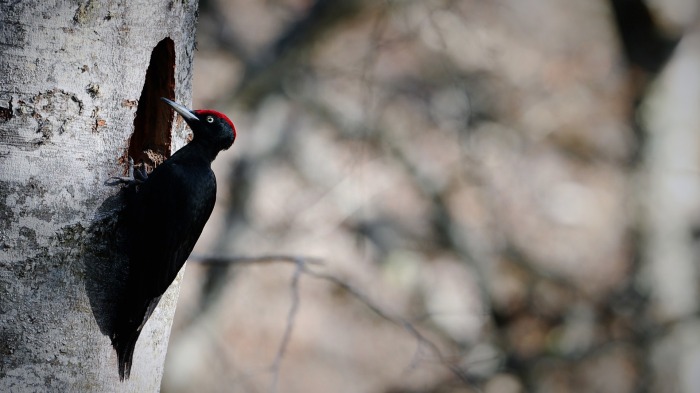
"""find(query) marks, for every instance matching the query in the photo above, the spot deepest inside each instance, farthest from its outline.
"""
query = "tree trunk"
(79, 88)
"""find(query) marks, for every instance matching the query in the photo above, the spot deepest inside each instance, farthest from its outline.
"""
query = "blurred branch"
(644, 43)
(647, 49)
(396, 320)
(443, 223)
(223, 34)
(265, 74)
(291, 317)
(219, 259)
(303, 267)
(239, 189)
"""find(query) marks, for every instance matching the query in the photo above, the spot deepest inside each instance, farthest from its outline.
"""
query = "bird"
(164, 215)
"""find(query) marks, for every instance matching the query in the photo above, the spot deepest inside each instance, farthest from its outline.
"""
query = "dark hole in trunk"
(150, 143)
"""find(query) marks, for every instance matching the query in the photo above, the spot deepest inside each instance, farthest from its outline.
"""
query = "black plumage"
(165, 214)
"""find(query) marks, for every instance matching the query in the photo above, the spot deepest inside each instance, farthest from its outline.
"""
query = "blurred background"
(507, 191)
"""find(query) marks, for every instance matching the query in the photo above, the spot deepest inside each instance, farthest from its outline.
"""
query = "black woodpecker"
(165, 213)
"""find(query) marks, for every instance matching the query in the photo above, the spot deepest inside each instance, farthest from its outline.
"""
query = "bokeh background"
(506, 191)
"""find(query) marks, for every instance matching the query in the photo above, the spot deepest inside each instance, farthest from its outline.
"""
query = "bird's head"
(207, 125)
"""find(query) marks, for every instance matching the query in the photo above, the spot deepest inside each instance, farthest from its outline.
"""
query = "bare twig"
(399, 321)
(293, 309)
(227, 260)
(303, 267)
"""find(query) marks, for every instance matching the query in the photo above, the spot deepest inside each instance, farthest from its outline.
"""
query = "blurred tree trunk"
(673, 120)
(72, 75)
(672, 205)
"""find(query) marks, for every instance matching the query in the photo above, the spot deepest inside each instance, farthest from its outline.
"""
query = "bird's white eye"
(210, 119)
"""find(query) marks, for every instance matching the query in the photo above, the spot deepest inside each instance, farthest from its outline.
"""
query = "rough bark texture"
(72, 76)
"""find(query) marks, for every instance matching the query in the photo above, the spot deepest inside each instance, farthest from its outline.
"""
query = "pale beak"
(185, 112)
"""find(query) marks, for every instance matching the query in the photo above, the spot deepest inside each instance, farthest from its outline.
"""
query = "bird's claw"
(139, 174)
(134, 176)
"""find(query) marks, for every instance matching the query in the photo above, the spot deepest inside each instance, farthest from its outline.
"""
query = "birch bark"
(72, 79)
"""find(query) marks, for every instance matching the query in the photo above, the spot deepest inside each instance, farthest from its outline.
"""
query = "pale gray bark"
(71, 73)
(674, 199)
(672, 205)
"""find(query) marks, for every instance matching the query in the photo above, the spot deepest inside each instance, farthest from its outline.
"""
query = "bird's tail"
(124, 343)
(127, 332)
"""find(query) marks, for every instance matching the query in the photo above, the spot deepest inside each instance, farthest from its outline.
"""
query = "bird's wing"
(172, 210)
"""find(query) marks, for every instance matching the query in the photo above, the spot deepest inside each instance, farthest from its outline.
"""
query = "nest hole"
(150, 143)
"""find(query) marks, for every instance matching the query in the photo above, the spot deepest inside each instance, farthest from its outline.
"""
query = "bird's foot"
(134, 176)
